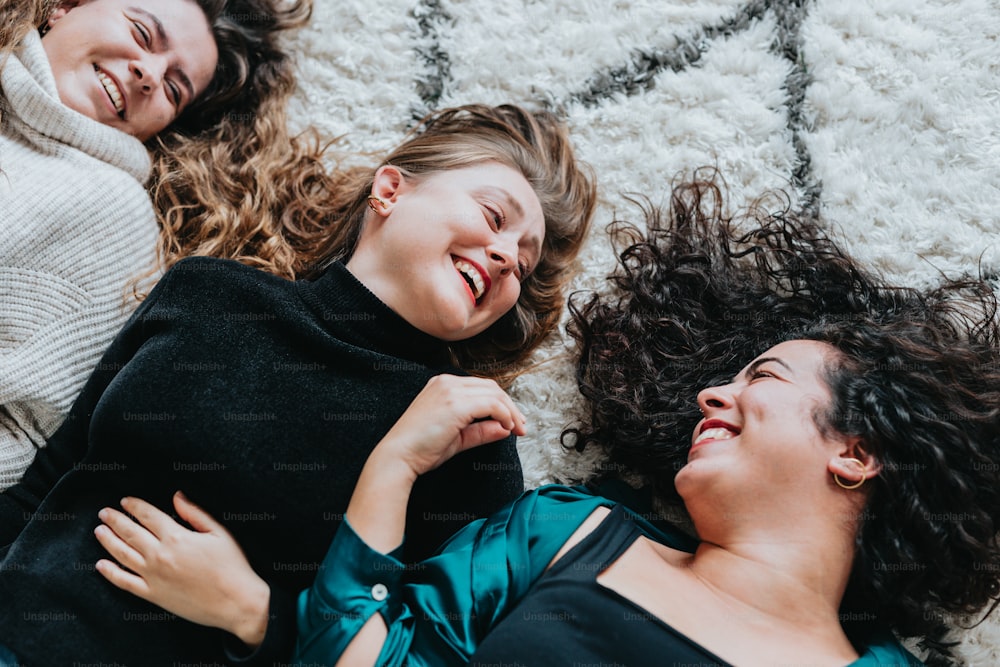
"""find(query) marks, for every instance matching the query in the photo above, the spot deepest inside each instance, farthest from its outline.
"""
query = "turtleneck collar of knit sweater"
(31, 95)
(362, 319)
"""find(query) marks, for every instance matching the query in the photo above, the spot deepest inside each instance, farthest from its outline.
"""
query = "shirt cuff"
(358, 580)
(279, 637)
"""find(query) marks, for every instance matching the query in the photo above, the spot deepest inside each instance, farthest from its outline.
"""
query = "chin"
(692, 477)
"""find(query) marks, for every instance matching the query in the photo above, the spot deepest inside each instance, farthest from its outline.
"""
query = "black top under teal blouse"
(570, 619)
(260, 398)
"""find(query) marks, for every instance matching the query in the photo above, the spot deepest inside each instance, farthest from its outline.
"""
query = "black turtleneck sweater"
(259, 398)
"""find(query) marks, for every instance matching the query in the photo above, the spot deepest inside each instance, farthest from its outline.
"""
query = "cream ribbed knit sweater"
(76, 225)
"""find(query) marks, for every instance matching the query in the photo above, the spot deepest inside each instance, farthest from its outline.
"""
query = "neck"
(794, 569)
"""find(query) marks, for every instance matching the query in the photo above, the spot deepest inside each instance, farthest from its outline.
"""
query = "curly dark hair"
(917, 379)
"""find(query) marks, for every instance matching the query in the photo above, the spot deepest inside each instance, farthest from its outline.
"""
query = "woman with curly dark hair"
(843, 484)
(914, 378)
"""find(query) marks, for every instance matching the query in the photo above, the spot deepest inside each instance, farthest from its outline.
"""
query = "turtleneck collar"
(342, 302)
(30, 90)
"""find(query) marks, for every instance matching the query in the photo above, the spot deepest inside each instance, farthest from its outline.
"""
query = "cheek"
(158, 119)
(508, 297)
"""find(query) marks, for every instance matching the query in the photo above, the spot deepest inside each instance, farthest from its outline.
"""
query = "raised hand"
(199, 573)
(451, 414)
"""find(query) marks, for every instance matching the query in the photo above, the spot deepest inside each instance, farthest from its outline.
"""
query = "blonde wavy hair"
(230, 187)
(17, 19)
(536, 144)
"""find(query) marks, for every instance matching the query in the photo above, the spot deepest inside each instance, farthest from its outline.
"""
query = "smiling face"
(448, 252)
(134, 65)
(759, 432)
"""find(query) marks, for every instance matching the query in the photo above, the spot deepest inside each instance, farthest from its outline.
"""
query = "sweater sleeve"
(439, 610)
(76, 225)
(69, 444)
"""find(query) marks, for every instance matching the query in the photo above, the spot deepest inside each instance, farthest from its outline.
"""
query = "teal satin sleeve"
(437, 611)
(886, 651)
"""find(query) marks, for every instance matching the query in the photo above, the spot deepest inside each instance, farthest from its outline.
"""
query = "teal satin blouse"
(438, 611)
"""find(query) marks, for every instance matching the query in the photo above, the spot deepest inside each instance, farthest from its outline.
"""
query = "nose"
(148, 72)
(504, 256)
(716, 398)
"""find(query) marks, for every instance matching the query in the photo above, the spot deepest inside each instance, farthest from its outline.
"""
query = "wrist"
(388, 466)
(377, 511)
(252, 613)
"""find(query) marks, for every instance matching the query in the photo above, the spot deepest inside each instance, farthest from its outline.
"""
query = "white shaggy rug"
(885, 114)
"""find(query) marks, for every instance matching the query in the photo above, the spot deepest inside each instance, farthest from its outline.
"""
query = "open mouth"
(716, 429)
(478, 282)
(111, 88)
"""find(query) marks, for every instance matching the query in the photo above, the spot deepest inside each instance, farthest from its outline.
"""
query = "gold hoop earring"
(864, 476)
(372, 205)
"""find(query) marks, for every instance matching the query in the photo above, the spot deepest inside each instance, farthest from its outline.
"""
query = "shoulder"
(886, 651)
(550, 515)
(556, 502)
(213, 273)
(210, 286)
(593, 520)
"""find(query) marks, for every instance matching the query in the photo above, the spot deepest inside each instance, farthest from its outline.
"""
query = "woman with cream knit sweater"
(78, 230)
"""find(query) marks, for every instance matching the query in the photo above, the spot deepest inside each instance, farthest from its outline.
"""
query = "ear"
(60, 10)
(844, 464)
(389, 183)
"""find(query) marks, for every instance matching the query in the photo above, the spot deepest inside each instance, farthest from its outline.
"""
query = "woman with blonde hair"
(261, 397)
(99, 98)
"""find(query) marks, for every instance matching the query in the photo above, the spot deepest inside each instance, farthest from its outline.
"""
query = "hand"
(451, 414)
(200, 574)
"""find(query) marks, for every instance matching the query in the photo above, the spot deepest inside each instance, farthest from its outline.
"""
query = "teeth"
(109, 85)
(715, 434)
(472, 276)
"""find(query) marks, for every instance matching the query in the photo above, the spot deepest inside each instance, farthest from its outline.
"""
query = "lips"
(113, 91)
(475, 277)
(715, 429)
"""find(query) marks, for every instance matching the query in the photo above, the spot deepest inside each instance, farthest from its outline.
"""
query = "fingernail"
(103, 514)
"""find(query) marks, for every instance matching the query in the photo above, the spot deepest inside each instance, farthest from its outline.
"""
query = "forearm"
(377, 510)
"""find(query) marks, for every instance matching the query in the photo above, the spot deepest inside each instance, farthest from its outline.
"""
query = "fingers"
(198, 518)
(156, 521)
(479, 398)
(124, 580)
(123, 538)
(480, 433)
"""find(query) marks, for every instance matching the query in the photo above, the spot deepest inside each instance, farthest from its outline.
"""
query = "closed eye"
(496, 215)
(174, 93)
(144, 36)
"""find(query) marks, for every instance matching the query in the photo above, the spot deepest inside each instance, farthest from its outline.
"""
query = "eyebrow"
(164, 40)
(752, 368)
(514, 205)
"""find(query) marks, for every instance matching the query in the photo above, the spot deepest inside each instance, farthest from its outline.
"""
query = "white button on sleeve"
(379, 592)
